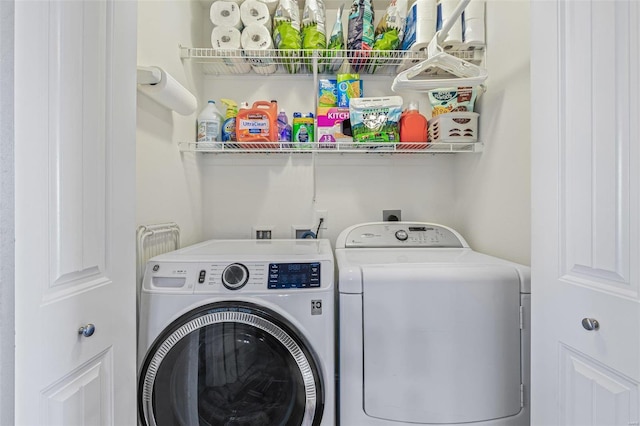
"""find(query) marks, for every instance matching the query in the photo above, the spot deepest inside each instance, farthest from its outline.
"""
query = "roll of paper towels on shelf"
(226, 13)
(255, 12)
(420, 26)
(474, 33)
(474, 10)
(474, 27)
(454, 38)
(258, 37)
(224, 39)
(167, 91)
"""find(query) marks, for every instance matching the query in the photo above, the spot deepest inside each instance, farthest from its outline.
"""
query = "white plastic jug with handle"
(209, 124)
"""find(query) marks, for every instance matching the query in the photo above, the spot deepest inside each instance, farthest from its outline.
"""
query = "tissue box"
(454, 127)
(330, 124)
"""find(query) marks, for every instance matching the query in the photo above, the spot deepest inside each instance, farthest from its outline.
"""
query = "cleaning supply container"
(209, 125)
(228, 132)
(413, 128)
(303, 130)
(258, 124)
(284, 128)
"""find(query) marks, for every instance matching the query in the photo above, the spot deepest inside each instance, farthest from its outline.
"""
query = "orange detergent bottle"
(258, 124)
(413, 128)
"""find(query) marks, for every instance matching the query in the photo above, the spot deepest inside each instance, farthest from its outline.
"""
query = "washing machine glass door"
(230, 363)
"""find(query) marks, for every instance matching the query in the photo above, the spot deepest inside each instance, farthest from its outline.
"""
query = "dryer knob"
(235, 276)
(402, 235)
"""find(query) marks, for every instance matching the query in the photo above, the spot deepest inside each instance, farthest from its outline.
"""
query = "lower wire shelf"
(331, 147)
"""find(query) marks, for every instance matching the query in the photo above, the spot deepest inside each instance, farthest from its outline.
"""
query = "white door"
(75, 215)
(585, 255)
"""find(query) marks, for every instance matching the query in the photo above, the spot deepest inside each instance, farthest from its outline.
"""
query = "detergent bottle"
(413, 128)
(284, 128)
(229, 125)
(209, 123)
(258, 124)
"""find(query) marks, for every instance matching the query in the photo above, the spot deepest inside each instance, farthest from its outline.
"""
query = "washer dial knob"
(235, 276)
(402, 235)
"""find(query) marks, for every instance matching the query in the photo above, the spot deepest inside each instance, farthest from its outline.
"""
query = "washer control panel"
(236, 277)
(294, 275)
(403, 234)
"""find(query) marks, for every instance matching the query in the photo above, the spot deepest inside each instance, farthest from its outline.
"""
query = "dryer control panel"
(400, 234)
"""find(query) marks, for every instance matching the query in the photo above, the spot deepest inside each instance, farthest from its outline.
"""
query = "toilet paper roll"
(454, 38)
(171, 94)
(420, 25)
(225, 13)
(271, 5)
(258, 37)
(255, 12)
(228, 41)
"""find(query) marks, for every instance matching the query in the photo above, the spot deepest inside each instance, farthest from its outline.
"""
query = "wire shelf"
(331, 147)
(305, 62)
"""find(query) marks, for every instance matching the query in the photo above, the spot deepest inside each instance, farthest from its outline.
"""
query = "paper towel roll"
(258, 37)
(227, 40)
(454, 38)
(420, 25)
(474, 27)
(226, 13)
(474, 33)
(171, 94)
(474, 10)
(255, 12)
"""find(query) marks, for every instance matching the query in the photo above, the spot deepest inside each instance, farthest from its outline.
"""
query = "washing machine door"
(230, 363)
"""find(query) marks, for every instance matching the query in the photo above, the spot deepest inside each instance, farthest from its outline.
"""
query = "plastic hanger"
(466, 73)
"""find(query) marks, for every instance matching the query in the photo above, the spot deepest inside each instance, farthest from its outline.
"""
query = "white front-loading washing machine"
(431, 332)
(238, 332)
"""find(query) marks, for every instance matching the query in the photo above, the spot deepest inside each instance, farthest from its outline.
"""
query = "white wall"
(7, 226)
(493, 189)
(485, 196)
(168, 186)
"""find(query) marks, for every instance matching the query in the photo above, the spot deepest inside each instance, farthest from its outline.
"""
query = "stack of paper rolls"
(474, 31)
(227, 40)
(453, 41)
(419, 29)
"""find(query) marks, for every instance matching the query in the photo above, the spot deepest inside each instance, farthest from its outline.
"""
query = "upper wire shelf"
(305, 62)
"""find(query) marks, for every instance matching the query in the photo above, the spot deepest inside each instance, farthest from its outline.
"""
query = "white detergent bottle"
(209, 123)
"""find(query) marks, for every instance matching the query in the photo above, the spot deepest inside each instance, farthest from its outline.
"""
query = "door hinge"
(521, 395)
(521, 317)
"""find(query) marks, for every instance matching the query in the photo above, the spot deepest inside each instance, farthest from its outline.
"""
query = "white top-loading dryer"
(430, 330)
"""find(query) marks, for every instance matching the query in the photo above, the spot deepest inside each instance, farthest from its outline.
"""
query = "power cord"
(319, 225)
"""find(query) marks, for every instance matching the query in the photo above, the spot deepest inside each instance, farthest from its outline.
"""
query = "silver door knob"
(590, 324)
(87, 330)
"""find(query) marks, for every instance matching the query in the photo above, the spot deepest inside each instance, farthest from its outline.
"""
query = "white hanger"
(466, 73)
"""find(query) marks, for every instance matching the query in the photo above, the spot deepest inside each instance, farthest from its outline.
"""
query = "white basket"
(454, 127)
